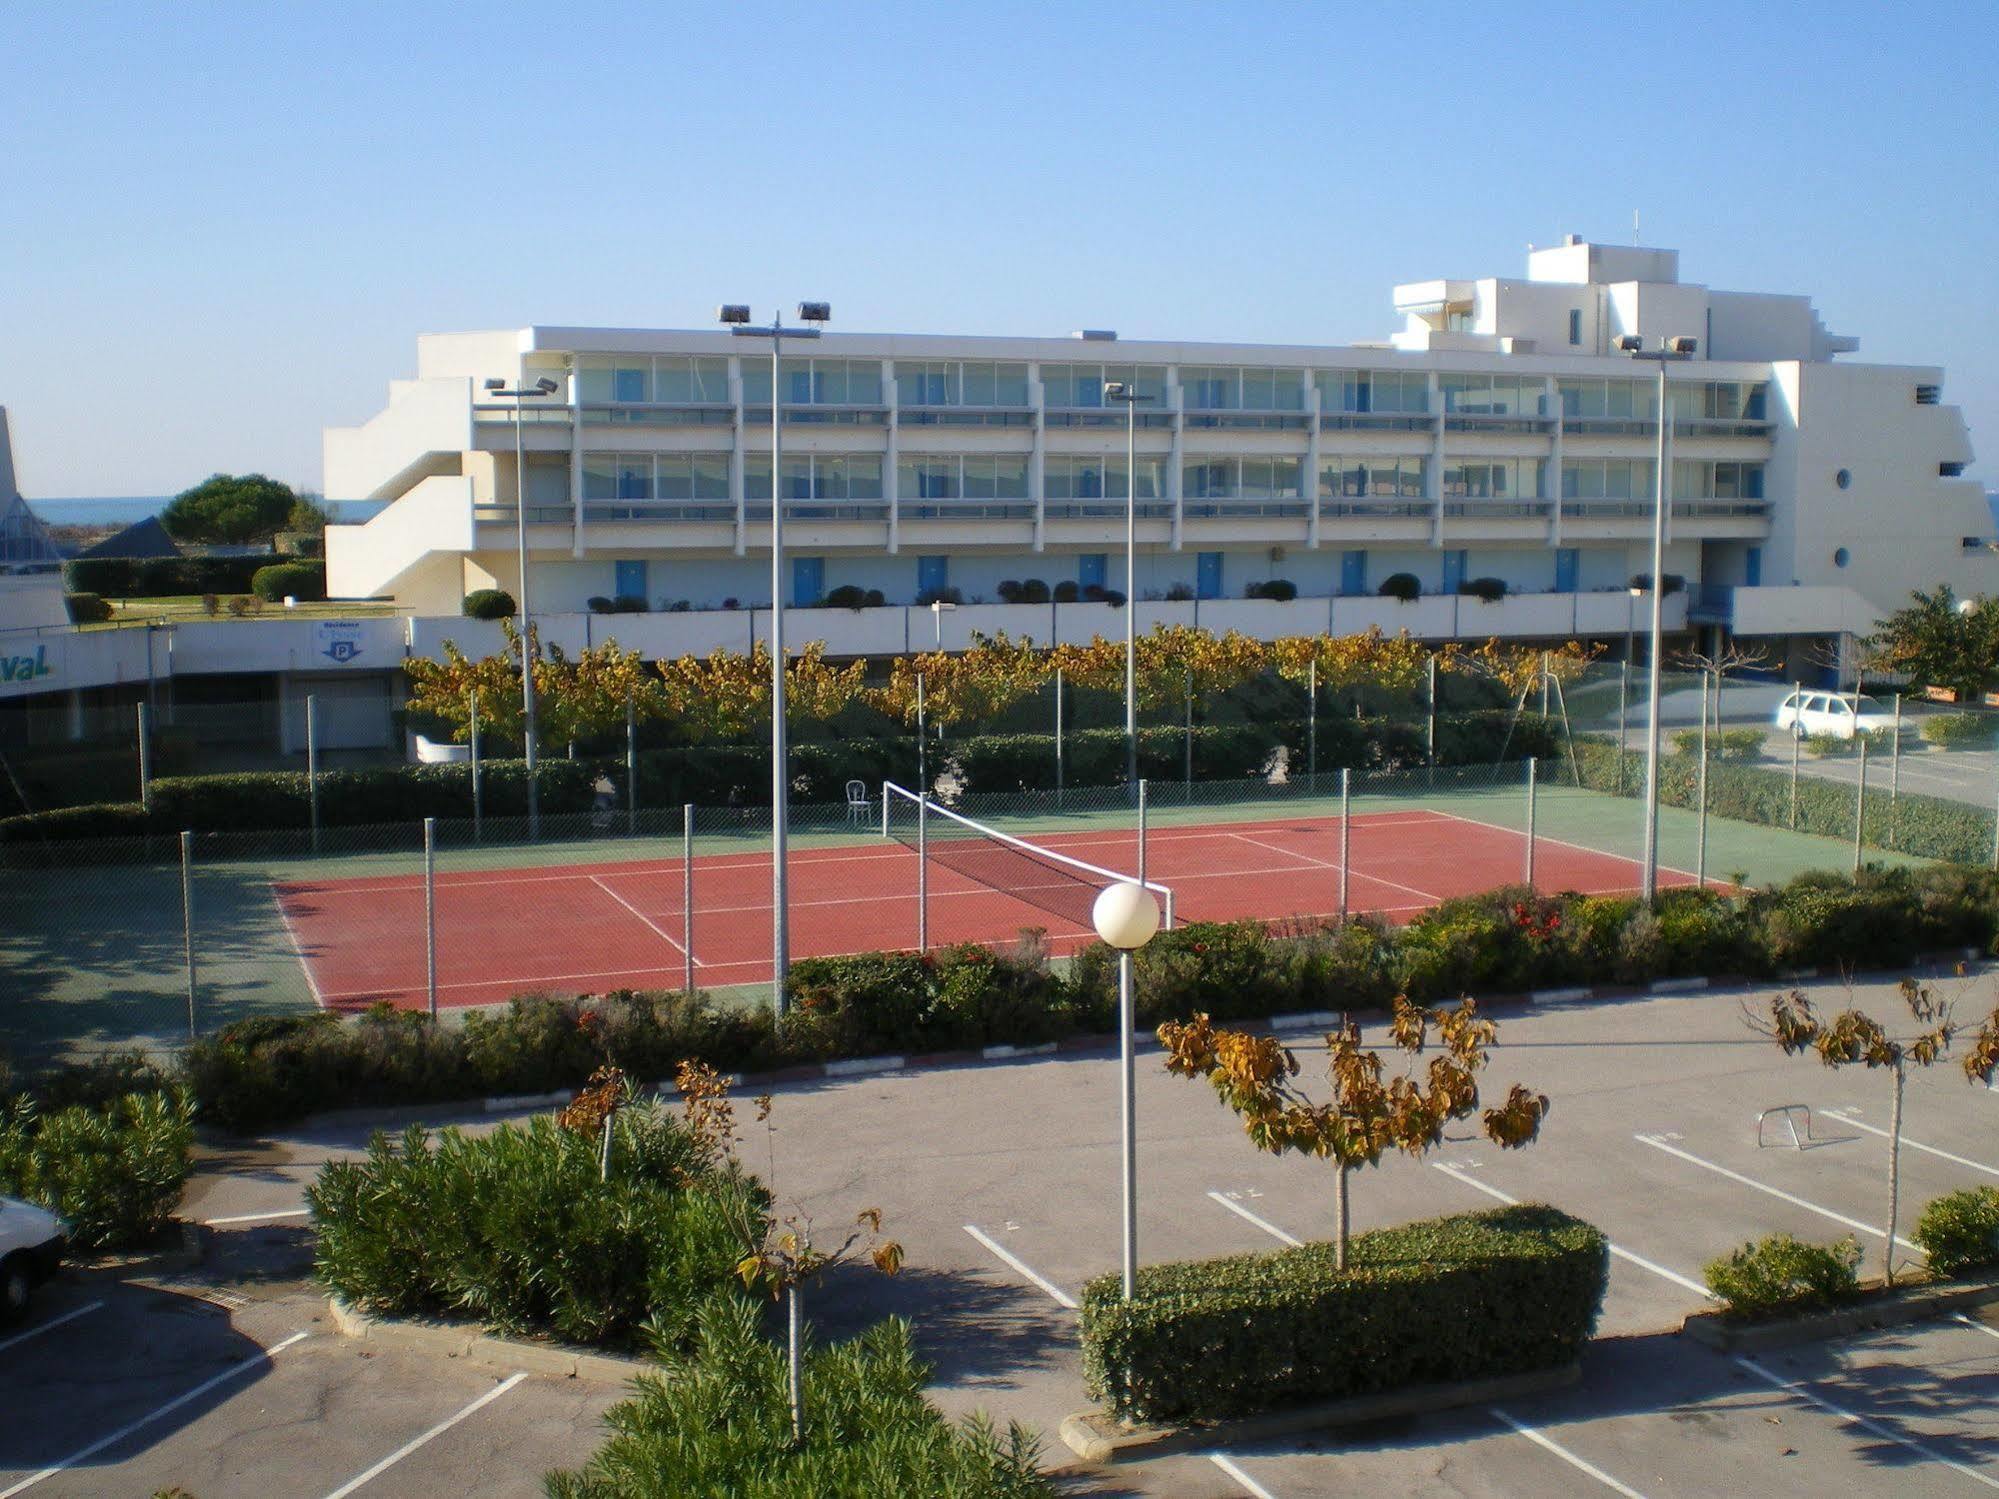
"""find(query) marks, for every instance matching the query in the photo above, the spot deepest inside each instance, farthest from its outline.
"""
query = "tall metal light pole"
(737, 317)
(1118, 390)
(1669, 350)
(541, 389)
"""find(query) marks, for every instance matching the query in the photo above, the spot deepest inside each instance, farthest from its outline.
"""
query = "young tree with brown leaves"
(1366, 1116)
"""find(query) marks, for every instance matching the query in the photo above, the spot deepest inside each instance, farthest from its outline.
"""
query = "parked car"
(1841, 714)
(32, 1241)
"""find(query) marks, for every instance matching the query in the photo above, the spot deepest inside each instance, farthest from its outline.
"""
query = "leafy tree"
(1366, 1115)
(1937, 642)
(230, 509)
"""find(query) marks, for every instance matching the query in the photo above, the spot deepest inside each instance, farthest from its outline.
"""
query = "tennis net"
(1041, 877)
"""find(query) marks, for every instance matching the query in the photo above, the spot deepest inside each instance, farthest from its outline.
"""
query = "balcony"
(630, 414)
(1247, 421)
(1376, 421)
(964, 416)
(1496, 421)
(818, 416)
(1497, 509)
(1092, 416)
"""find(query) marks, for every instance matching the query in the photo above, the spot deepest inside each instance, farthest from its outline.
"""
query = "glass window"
(1151, 478)
(925, 383)
(1010, 385)
(593, 381)
(921, 478)
(711, 476)
(1149, 380)
(1210, 389)
(673, 477)
(756, 382)
(600, 476)
(1575, 325)
(631, 382)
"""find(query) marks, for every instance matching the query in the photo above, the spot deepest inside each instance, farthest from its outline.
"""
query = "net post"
(187, 916)
(145, 758)
(430, 912)
(1895, 776)
(1143, 787)
(478, 800)
(1430, 722)
(885, 786)
(922, 872)
(1797, 697)
(1058, 747)
(1860, 804)
(1700, 813)
(1346, 833)
(1312, 731)
(687, 890)
(922, 744)
(312, 761)
(1168, 920)
(1532, 767)
(1188, 794)
(631, 766)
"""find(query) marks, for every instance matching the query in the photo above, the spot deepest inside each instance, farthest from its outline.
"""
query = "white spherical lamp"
(1125, 915)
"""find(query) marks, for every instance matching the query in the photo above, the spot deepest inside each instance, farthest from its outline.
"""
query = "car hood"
(26, 1226)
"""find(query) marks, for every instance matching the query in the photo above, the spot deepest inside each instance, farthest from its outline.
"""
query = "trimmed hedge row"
(152, 577)
(1470, 1296)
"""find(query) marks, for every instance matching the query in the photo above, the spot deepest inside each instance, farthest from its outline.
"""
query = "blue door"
(1353, 574)
(1566, 560)
(933, 575)
(631, 580)
(1208, 575)
(808, 581)
(1752, 568)
(1454, 570)
(1090, 570)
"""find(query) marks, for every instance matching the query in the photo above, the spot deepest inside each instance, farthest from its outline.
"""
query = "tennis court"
(595, 926)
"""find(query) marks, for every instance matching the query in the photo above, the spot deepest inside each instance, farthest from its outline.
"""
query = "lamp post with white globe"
(1125, 916)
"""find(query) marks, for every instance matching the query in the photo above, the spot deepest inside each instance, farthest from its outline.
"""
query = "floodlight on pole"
(1669, 350)
(1125, 916)
(1119, 390)
(736, 317)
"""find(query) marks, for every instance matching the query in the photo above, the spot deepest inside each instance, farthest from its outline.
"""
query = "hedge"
(114, 1169)
(1471, 1296)
(299, 580)
(1959, 1231)
(488, 603)
(150, 577)
(87, 608)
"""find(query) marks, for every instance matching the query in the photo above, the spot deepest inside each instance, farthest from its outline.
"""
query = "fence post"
(312, 761)
(145, 758)
(1189, 773)
(923, 871)
(1058, 736)
(1995, 825)
(1895, 778)
(478, 800)
(1346, 833)
(1860, 807)
(1700, 810)
(1312, 730)
(631, 768)
(1623, 698)
(1797, 740)
(687, 891)
(1430, 722)
(1531, 788)
(922, 748)
(1142, 788)
(187, 917)
(430, 912)
(1544, 684)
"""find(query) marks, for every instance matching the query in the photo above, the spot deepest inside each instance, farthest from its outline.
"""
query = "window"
(1575, 325)
(1606, 400)
(1929, 395)
(1492, 479)
(687, 381)
(631, 383)
(1950, 470)
(1844, 478)
(816, 476)
(1354, 478)
(1373, 390)
(1607, 479)
(1248, 479)
(1082, 385)
(1841, 557)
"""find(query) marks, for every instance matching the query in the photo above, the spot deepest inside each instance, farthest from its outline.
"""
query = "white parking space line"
(1062, 1297)
(1805, 1392)
(52, 1323)
(1778, 1192)
(436, 1431)
(82, 1453)
(256, 1217)
(1244, 1213)
(1972, 1322)
(1250, 1486)
(1581, 1466)
(1845, 1117)
(1618, 1250)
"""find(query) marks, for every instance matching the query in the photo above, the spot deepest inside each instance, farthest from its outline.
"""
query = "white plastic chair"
(857, 801)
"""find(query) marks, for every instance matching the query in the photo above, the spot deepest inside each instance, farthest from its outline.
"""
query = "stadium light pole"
(1119, 390)
(541, 389)
(1125, 916)
(736, 317)
(1669, 349)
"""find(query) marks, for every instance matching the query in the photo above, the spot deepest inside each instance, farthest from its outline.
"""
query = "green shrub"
(1404, 586)
(115, 1172)
(958, 997)
(87, 608)
(1783, 1274)
(1231, 969)
(719, 1422)
(514, 1229)
(1823, 746)
(1465, 1297)
(489, 603)
(1485, 590)
(1740, 744)
(1959, 730)
(1960, 1231)
(299, 580)
(1282, 590)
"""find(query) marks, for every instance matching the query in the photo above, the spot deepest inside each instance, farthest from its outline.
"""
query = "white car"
(1840, 714)
(32, 1241)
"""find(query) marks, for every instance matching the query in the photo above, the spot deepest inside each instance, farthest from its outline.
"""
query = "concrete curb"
(193, 1248)
(1889, 1309)
(1096, 1437)
(453, 1340)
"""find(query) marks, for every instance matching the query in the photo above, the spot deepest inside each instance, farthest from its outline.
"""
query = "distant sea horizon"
(124, 510)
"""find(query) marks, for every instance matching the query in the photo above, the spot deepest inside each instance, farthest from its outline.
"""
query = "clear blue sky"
(223, 226)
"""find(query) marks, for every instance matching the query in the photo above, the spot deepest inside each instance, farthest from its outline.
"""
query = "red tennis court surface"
(589, 927)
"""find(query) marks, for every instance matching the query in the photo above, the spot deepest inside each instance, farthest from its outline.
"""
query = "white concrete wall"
(425, 422)
(31, 601)
(433, 519)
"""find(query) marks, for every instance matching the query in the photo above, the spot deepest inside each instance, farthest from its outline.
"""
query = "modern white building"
(1500, 434)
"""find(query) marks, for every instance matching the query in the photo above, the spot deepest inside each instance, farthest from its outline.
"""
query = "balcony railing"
(531, 415)
(1636, 509)
(1372, 509)
(818, 416)
(964, 416)
(1233, 508)
(1105, 510)
(1094, 416)
(1376, 421)
(634, 415)
(1493, 421)
(1249, 421)
(1497, 509)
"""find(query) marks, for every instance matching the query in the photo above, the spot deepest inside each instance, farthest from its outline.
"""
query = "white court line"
(53, 1322)
(1624, 1254)
(298, 947)
(1329, 864)
(1549, 1443)
(1845, 1118)
(1765, 1187)
(1242, 1212)
(657, 930)
(261, 1361)
(436, 1431)
(256, 1217)
(1062, 1297)
(1250, 1486)
(1803, 1392)
(1972, 1322)
(1584, 848)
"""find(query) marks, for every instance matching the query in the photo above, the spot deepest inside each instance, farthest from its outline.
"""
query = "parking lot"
(1001, 1183)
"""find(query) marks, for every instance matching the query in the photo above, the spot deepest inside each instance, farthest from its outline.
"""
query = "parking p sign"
(338, 640)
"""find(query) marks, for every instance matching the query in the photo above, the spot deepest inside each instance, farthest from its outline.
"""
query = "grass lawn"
(188, 606)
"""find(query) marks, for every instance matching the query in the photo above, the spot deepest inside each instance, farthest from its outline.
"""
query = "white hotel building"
(1499, 434)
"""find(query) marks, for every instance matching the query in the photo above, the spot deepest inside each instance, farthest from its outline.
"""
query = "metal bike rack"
(1788, 1113)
